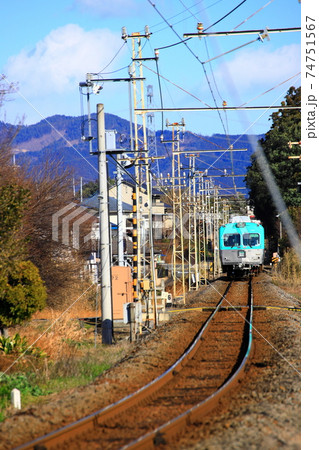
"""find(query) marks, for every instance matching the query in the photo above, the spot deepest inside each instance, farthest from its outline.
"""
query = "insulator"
(147, 31)
(124, 33)
(200, 27)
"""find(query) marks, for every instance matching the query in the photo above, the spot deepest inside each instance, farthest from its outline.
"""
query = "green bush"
(18, 344)
(21, 293)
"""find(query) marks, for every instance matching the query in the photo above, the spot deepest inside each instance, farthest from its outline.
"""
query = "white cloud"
(62, 59)
(260, 68)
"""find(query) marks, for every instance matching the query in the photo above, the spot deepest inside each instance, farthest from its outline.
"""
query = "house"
(158, 207)
(160, 217)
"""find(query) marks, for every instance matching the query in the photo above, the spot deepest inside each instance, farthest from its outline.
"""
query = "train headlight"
(241, 254)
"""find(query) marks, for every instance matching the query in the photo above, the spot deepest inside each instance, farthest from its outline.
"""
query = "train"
(241, 246)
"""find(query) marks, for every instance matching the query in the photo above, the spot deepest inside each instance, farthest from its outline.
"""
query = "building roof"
(93, 202)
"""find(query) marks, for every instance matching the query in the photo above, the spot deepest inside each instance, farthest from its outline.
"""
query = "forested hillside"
(60, 137)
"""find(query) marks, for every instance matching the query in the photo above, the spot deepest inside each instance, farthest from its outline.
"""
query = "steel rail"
(166, 431)
(89, 422)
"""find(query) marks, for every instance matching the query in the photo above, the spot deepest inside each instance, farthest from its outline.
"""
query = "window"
(251, 239)
(231, 240)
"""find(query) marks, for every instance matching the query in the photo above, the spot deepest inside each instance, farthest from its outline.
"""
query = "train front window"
(251, 239)
(231, 240)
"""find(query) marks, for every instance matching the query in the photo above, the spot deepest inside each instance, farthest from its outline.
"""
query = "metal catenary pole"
(142, 173)
(178, 257)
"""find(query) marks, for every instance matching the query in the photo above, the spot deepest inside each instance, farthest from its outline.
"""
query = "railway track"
(189, 389)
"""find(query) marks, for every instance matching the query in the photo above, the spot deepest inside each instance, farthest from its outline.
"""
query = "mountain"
(61, 137)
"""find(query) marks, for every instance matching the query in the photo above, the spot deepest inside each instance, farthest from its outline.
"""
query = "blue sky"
(48, 47)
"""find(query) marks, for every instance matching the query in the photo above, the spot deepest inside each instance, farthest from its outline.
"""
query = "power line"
(182, 12)
(116, 54)
(226, 15)
(182, 41)
(203, 66)
(271, 89)
(252, 15)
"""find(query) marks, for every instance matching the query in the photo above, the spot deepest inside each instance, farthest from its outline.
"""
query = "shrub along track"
(262, 413)
(185, 392)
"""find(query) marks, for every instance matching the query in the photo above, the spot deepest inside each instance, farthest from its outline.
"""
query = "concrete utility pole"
(151, 133)
(120, 224)
(105, 245)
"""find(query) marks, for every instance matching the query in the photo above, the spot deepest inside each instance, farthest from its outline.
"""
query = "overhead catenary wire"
(226, 130)
(184, 41)
(181, 41)
(260, 37)
(226, 15)
(114, 57)
(271, 89)
(279, 107)
(252, 15)
(292, 234)
(50, 124)
(202, 63)
(186, 18)
(204, 69)
(232, 50)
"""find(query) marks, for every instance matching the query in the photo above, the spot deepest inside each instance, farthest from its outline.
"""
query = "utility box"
(122, 289)
(132, 312)
(146, 284)
(110, 142)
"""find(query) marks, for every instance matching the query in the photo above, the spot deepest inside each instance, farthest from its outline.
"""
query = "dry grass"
(54, 330)
(287, 274)
(74, 355)
(54, 334)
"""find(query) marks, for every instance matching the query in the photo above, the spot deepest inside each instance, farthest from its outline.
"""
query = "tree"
(90, 189)
(60, 266)
(22, 293)
(30, 197)
(13, 199)
(285, 128)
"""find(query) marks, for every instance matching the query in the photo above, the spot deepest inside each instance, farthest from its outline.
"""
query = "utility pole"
(105, 246)
(120, 225)
(151, 133)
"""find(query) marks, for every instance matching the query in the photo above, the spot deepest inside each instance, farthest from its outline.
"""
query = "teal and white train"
(241, 246)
